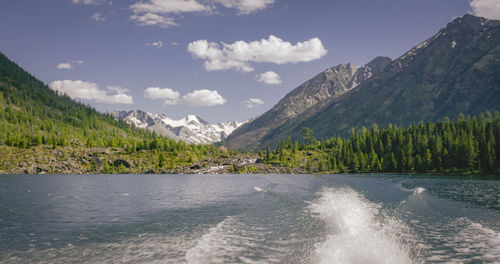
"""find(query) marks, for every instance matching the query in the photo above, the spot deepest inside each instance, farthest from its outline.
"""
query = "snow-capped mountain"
(191, 129)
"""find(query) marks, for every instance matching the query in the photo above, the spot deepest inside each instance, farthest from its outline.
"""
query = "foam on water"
(258, 189)
(460, 241)
(357, 232)
(416, 190)
(214, 246)
(232, 241)
(143, 248)
(419, 190)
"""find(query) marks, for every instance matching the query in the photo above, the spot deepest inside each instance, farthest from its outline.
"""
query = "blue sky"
(218, 59)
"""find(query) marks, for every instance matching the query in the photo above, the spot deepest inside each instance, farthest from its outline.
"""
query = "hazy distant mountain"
(191, 129)
(455, 71)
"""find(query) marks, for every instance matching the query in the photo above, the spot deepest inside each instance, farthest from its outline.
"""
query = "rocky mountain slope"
(455, 71)
(330, 83)
(191, 129)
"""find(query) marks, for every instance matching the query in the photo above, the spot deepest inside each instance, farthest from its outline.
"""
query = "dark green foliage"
(32, 114)
(465, 145)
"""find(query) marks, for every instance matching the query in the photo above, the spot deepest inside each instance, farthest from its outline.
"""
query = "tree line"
(32, 115)
(468, 144)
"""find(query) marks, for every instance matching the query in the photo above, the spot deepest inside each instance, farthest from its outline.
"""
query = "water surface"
(248, 219)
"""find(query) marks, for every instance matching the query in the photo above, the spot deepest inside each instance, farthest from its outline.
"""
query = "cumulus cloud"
(68, 65)
(486, 8)
(117, 89)
(98, 17)
(239, 54)
(203, 97)
(169, 6)
(91, 91)
(252, 102)
(197, 98)
(269, 77)
(150, 12)
(158, 44)
(64, 66)
(246, 6)
(168, 95)
(150, 19)
(91, 2)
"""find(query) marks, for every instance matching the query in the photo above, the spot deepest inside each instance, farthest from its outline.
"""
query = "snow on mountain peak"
(191, 129)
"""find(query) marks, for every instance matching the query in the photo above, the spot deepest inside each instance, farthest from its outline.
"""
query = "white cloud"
(64, 66)
(246, 6)
(150, 19)
(91, 91)
(175, 43)
(150, 12)
(89, 2)
(197, 98)
(203, 97)
(98, 17)
(68, 65)
(238, 54)
(486, 8)
(170, 96)
(218, 65)
(252, 102)
(169, 6)
(158, 44)
(269, 77)
(117, 89)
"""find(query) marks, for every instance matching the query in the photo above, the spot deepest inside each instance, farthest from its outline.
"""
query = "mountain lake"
(361, 218)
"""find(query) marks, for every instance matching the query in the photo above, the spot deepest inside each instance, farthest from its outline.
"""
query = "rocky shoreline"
(44, 160)
(237, 165)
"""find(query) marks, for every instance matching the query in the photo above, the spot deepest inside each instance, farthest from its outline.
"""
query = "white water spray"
(419, 190)
(258, 189)
(356, 235)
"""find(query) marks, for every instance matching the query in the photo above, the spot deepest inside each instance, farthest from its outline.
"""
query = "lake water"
(248, 219)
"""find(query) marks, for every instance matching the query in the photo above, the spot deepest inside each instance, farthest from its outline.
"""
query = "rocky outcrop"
(330, 83)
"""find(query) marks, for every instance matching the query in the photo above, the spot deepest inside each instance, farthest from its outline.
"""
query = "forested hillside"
(35, 118)
(455, 71)
(467, 145)
(42, 132)
(35, 115)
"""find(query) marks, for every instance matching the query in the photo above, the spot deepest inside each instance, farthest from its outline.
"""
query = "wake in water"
(258, 189)
(416, 190)
(460, 241)
(232, 241)
(419, 190)
(357, 234)
(224, 243)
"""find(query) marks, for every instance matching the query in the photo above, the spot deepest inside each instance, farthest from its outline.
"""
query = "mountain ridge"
(190, 129)
(332, 82)
(455, 71)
